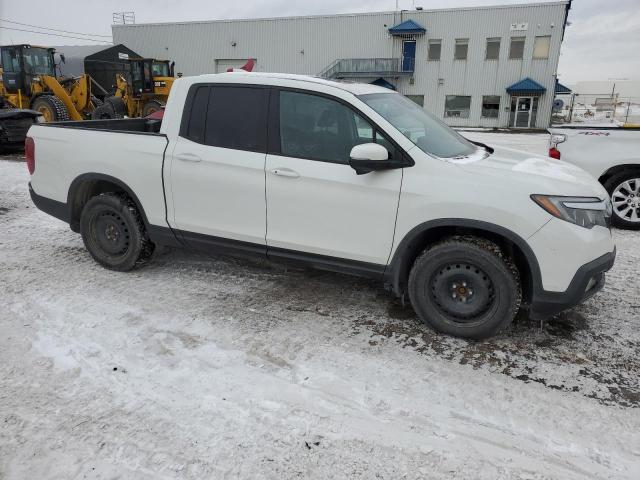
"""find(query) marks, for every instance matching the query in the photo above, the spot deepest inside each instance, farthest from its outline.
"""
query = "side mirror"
(367, 157)
(62, 59)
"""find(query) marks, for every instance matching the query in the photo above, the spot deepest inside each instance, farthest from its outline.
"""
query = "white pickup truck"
(347, 177)
(610, 154)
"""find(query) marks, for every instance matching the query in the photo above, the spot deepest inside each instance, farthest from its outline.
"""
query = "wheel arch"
(618, 169)
(431, 232)
(88, 185)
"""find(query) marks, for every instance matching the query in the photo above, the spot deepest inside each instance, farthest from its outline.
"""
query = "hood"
(537, 173)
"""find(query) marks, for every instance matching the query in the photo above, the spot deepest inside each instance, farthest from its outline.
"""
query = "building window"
(541, 47)
(462, 47)
(457, 106)
(493, 49)
(516, 49)
(419, 99)
(435, 46)
(490, 106)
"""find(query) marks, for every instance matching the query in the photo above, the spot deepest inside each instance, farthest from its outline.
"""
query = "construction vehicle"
(29, 81)
(14, 125)
(144, 92)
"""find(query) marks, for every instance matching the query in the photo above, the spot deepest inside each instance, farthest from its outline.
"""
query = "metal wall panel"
(308, 45)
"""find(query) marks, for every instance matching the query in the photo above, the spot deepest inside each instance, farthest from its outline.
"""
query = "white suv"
(341, 176)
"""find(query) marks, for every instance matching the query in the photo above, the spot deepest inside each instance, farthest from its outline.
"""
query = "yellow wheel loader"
(145, 93)
(29, 81)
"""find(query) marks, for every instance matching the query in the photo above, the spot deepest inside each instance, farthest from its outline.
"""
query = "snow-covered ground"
(197, 367)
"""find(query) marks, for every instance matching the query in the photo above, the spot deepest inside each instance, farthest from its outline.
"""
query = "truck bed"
(125, 125)
(598, 149)
(125, 149)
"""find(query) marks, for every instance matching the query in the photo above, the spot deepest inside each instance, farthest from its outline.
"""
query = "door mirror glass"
(368, 157)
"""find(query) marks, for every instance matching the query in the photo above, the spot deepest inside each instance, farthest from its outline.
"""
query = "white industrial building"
(481, 66)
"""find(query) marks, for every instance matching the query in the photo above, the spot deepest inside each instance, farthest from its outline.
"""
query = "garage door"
(222, 64)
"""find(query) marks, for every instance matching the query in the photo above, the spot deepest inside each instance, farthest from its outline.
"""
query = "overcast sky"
(602, 43)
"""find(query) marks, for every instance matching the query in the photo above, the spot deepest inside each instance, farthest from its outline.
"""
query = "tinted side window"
(319, 128)
(382, 140)
(365, 133)
(197, 117)
(237, 118)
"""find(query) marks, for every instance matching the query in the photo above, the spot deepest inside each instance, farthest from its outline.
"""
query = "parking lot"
(199, 367)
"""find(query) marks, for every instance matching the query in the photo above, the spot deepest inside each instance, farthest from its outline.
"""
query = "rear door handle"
(188, 157)
(285, 172)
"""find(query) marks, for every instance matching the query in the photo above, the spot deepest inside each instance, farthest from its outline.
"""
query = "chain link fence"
(596, 109)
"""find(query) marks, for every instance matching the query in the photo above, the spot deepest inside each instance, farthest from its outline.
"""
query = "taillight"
(30, 154)
(554, 153)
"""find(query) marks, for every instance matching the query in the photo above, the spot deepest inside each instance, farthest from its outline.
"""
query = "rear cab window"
(227, 116)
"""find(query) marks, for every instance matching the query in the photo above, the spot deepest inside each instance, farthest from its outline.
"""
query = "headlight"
(586, 212)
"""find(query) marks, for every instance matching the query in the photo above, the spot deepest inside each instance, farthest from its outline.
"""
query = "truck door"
(316, 203)
(217, 168)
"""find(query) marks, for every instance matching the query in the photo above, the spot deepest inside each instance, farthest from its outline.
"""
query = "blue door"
(408, 55)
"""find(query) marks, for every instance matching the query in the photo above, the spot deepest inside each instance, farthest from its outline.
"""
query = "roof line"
(339, 84)
(353, 14)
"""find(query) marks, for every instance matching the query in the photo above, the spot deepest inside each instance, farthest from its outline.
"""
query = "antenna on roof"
(124, 18)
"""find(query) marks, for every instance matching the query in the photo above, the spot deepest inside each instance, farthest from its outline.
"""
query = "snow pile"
(197, 367)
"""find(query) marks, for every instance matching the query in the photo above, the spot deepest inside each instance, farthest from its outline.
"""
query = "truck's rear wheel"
(624, 189)
(114, 233)
(51, 108)
(465, 287)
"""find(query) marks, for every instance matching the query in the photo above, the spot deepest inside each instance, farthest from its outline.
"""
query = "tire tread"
(125, 205)
(489, 247)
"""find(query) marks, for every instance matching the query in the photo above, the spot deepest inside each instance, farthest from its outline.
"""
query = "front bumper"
(587, 281)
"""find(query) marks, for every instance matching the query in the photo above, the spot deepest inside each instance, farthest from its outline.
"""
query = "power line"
(55, 29)
(55, 34)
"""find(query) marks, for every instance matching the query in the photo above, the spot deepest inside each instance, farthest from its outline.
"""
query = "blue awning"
(561, 89)
(381, 82)
(526, 86)
(408, 27)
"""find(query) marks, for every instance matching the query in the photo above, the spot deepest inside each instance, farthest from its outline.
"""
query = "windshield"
(160, 69)
(38, 61)
(427, 132)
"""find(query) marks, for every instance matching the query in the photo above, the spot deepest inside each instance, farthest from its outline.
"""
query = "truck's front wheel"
(114, 233)
(465, 287)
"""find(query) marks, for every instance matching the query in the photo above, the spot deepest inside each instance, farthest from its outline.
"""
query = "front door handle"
(188, 157)
(285, 172)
